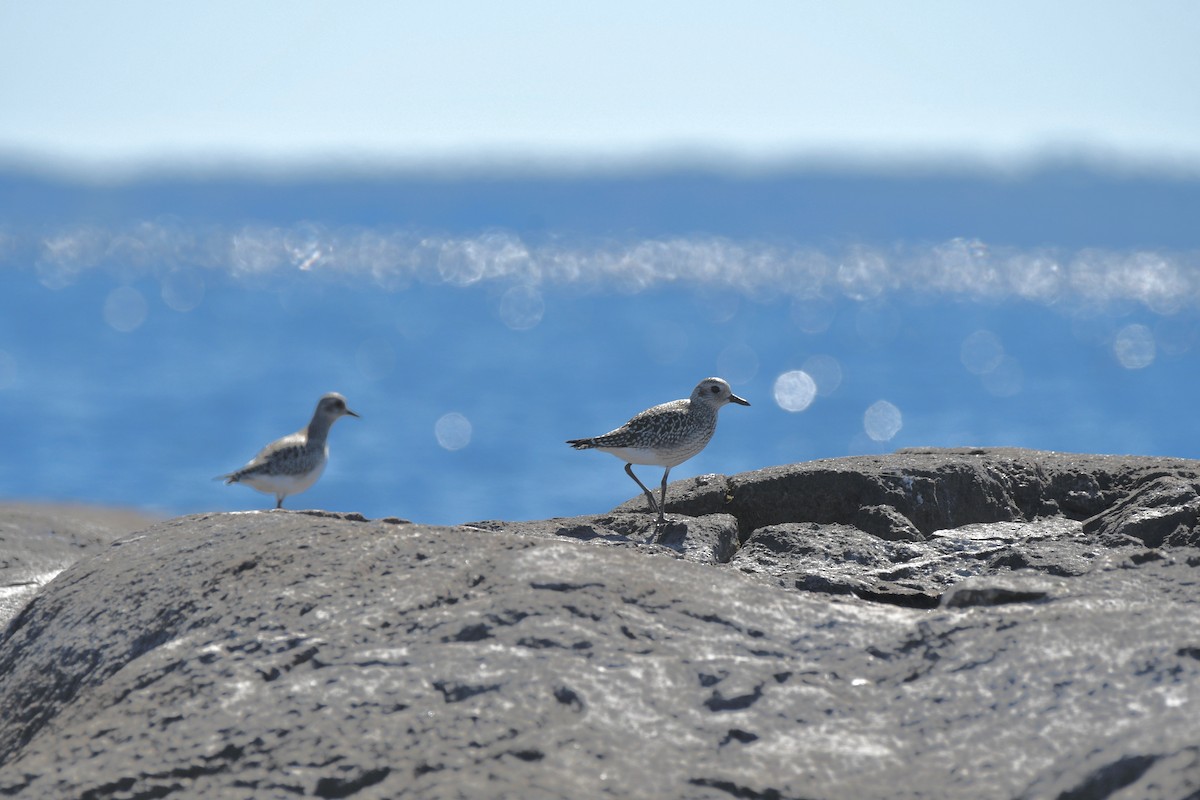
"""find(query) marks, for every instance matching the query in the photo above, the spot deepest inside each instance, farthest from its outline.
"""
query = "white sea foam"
(1163, 282)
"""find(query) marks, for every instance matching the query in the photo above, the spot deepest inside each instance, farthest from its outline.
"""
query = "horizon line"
(663, 160)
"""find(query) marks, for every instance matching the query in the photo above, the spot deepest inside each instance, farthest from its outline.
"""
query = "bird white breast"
(285, 484)
(653, 457)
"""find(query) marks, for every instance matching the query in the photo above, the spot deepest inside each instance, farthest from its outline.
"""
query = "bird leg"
(662, 506)
(653, 506)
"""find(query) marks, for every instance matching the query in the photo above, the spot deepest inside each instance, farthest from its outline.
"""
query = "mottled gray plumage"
(294, 463)
(666, 435)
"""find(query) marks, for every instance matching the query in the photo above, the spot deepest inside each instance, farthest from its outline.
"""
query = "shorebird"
(292, 464)
(666, 435)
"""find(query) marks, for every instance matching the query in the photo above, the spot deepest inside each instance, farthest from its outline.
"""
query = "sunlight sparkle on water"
(725, 270)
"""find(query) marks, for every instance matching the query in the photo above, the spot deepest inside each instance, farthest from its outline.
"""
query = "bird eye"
(715, 389)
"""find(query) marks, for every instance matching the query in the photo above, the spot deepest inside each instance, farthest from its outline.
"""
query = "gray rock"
(39, 541)
(1163, 509)
(710, 539)
(276, 654)
(885, 522)
(842, 559)
(936, 489)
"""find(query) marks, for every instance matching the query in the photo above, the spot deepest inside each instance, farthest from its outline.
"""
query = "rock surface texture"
(930, 624)
(39, 541)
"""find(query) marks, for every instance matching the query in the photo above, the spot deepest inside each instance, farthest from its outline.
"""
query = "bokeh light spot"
(795, 390)
(812, 314)
(981, 352)
(1177, 334)
(826, 371)
(183, 289)
(453, 431)
(882, 421)
(522, 307)
(1135, 347)
(738, 363)
(719, 307)
(125, 309)
(1006, 380)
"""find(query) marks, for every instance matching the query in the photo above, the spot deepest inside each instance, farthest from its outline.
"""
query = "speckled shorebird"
(292, 464)
(666, 435)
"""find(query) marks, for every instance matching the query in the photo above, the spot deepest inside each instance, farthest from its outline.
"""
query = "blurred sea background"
(493, 229)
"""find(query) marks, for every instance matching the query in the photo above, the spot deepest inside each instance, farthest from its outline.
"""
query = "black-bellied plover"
(666, 435)
(292, 464)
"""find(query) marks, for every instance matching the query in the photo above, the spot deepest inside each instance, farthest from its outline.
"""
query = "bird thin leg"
(662, 506)
(649, 496)
(279, 500)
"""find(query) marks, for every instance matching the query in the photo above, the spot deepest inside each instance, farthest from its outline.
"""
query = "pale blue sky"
(145, 81)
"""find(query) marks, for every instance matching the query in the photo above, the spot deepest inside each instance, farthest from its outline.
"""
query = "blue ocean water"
(155, 333)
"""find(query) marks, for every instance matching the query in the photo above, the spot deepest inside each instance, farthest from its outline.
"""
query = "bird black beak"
(733, 398)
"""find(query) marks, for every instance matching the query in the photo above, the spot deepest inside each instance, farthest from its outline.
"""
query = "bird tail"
(581, 444)
(230, 477)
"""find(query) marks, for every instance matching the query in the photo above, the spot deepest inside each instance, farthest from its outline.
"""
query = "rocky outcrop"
(938, 489)
(986, 624)
(39, 541)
